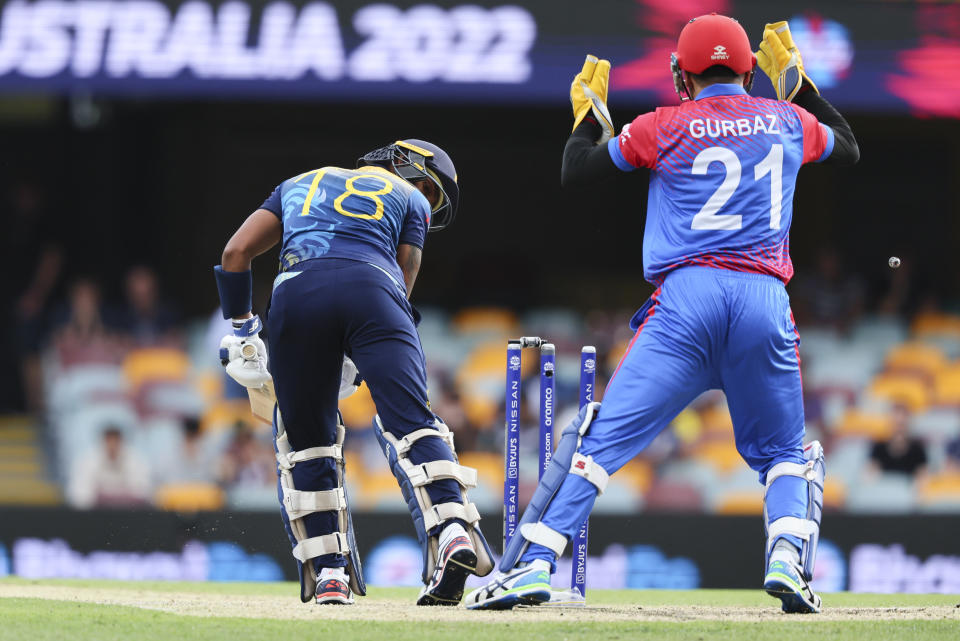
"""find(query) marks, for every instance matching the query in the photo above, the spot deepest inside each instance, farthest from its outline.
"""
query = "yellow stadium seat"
(376, 487)
(721, 454)
(489, 466)
(638, 473)
(741, 502)
(946, 386)
(225, 414)
(155, 364)
(358, 409)
(909, 391)
(688, 426)
(834, 493)
(936, 324)
(480, 410)
(916, 357)
(865, 424)
(209, 385)
(716, 420)
(485, 319)
(943, 487)
(616, 353)
(189, 497)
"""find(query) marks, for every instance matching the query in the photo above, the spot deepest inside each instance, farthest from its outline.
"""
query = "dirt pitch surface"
(391, 609)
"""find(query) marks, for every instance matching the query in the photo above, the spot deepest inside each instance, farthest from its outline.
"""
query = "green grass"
(42, 620)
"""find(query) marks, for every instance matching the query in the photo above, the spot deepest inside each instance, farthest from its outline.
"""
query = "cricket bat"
(262, 401)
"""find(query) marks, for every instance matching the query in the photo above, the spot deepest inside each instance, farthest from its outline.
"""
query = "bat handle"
(249, 352)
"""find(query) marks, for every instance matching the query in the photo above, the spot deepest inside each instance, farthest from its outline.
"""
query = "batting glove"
(781, 61)
(588, 93)
(244, 355)
(349, 378)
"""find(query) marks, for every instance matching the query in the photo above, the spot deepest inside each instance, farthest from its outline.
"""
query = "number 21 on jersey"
(708, 216)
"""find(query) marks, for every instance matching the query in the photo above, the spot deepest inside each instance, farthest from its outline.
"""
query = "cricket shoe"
(457, 561)
(333, 587)
(785, 581)
(529, 585)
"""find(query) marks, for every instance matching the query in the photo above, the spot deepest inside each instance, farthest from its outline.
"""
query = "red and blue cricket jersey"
(724, 168)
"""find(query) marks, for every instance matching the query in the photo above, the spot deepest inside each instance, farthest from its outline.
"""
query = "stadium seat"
(916, 358)
(358, 409)
(155, 364)
(189, 497)
(890, 493)
(722, 454)
(940, 493)
(946, 387)
(902, 389)
(485, 320)
(743, 502)
(667, 496)
(847, 459)
(865, 424)
(936, 323)
(941, 424)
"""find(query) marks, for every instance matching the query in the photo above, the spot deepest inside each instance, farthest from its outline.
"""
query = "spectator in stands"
(900, 453)
(79, 332)
(831, 295)
(144, 317)
(111, 476)
(193, 461)
(953, 456)
(248, 461)
(30, 261)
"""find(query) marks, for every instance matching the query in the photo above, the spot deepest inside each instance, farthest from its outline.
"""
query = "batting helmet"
(413, 160)
(708, 41)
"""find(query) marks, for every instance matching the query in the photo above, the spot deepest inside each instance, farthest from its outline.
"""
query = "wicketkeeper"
(723, 169)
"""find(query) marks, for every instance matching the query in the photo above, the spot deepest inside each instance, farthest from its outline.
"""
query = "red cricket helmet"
(712, 40)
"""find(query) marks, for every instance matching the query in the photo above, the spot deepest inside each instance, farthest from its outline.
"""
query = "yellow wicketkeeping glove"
(589, 93)
(781, 61)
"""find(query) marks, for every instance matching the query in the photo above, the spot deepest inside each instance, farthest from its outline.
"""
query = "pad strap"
(288, 460)
(437, 514)
(786, 468)
(801, 528)
(299, 503)
(585, 466)
(335, 543)
(543, 535)
(426, 473)
(403, 445)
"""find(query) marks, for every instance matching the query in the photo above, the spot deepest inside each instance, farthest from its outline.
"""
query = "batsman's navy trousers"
(327, 308)
(704, 328)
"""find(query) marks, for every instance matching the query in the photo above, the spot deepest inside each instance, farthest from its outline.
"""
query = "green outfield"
(131, 611)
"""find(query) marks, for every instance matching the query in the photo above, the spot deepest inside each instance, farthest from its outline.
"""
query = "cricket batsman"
(716, 246)
(351, 245)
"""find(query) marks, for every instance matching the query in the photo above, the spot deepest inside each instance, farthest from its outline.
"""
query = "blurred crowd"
(133, 408)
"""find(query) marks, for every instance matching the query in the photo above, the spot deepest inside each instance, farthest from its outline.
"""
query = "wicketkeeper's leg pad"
(566, 460)
(807, 529)
(296, 504)
(414, 479)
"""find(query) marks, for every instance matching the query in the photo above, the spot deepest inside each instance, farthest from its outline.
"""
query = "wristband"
(236, 291)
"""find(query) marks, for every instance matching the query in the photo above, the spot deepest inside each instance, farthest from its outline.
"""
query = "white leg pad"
(300, 503)
(414, 480)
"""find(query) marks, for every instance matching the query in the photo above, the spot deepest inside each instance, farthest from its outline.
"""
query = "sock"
(332, 573)
(784, 550)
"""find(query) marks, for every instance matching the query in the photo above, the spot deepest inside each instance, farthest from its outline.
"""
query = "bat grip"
(249, 352)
